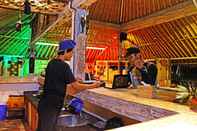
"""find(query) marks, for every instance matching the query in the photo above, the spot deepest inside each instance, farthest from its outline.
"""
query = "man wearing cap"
(138, 69)
(58, 75)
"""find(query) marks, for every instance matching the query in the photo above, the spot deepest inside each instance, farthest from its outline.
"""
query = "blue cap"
(66, 44)
(77, 104)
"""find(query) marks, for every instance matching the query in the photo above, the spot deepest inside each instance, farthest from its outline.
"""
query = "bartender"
(58, 76)
(140, 71)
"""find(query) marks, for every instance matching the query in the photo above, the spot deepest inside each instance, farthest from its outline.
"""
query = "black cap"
(132, 50)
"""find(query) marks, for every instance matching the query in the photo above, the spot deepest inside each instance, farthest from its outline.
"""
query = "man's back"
(55, 78)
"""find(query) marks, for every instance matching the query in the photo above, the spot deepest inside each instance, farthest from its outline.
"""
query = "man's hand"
(96, 84)
(41, 80)
(77, 87)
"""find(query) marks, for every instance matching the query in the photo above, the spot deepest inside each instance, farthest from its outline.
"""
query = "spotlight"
(123, 36)
(83, 22)
(18, 25)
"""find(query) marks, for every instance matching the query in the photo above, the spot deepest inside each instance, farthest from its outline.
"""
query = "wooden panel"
(15, 102)
(31, 116)
(34, 117)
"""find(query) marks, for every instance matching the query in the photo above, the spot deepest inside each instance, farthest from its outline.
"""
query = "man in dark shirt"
(140, 70)
(58, 75)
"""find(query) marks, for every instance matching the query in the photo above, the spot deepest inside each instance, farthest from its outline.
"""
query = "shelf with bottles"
(106, 69)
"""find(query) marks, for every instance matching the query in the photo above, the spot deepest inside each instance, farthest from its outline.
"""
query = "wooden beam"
(176, 12)
(104, 24)
(50, 11)
(82, 3)
(64, 16)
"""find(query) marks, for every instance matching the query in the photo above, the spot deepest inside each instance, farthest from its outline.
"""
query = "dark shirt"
(58, 75)
(148, 73)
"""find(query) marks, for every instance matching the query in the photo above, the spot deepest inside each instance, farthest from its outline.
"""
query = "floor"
(12, 125)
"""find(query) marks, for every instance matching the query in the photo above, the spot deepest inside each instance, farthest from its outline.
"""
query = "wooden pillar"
(79, 35)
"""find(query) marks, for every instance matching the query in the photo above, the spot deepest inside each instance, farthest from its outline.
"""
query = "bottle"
(134, 81)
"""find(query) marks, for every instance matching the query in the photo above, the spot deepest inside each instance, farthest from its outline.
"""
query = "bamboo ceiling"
(173, 39)
(123, 11)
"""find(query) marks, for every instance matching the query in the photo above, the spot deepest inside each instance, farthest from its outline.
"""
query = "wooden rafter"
(52, 8)
(176, 12)
(173, 39)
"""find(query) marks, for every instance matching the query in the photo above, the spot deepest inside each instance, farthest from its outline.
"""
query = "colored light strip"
(43, 43)
(95, 48)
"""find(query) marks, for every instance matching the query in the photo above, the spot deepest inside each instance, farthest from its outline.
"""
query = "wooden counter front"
(154, 114)
(31, 114)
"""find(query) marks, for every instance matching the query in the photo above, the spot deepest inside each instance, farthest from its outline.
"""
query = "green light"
(40, 66)
(12, 56)
(6, 59)
(15, 43)
(26, 67)
(45, 43)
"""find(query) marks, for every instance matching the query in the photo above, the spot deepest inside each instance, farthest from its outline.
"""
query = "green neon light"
(52, 50)
(6, 59)
(48, 51)
(12, 56)
(44, 43)
(26, 67)
(43, 51)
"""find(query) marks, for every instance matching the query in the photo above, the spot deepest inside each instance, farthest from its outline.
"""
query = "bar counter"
(138, 113)
(152, 114)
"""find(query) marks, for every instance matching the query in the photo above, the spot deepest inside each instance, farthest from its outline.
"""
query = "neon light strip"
(95, 48)
(42, 43)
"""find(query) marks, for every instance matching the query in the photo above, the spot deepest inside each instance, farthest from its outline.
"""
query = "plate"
(88, 81)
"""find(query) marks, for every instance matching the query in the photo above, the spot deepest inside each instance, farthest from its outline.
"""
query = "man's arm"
(76, 87)
(81, 86)
(41, 80)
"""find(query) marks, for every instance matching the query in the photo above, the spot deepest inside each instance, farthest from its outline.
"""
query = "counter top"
(128, 95)
(17, 86)
(18, 80)
(154, 114)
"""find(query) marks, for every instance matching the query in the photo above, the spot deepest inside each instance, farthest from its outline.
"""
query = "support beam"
(65, 15)
(176, 12)
(49, 9)
(82, 3)
(104, 24)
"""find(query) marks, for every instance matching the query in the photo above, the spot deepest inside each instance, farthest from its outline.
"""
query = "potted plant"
(193, 98)
(187, 94)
